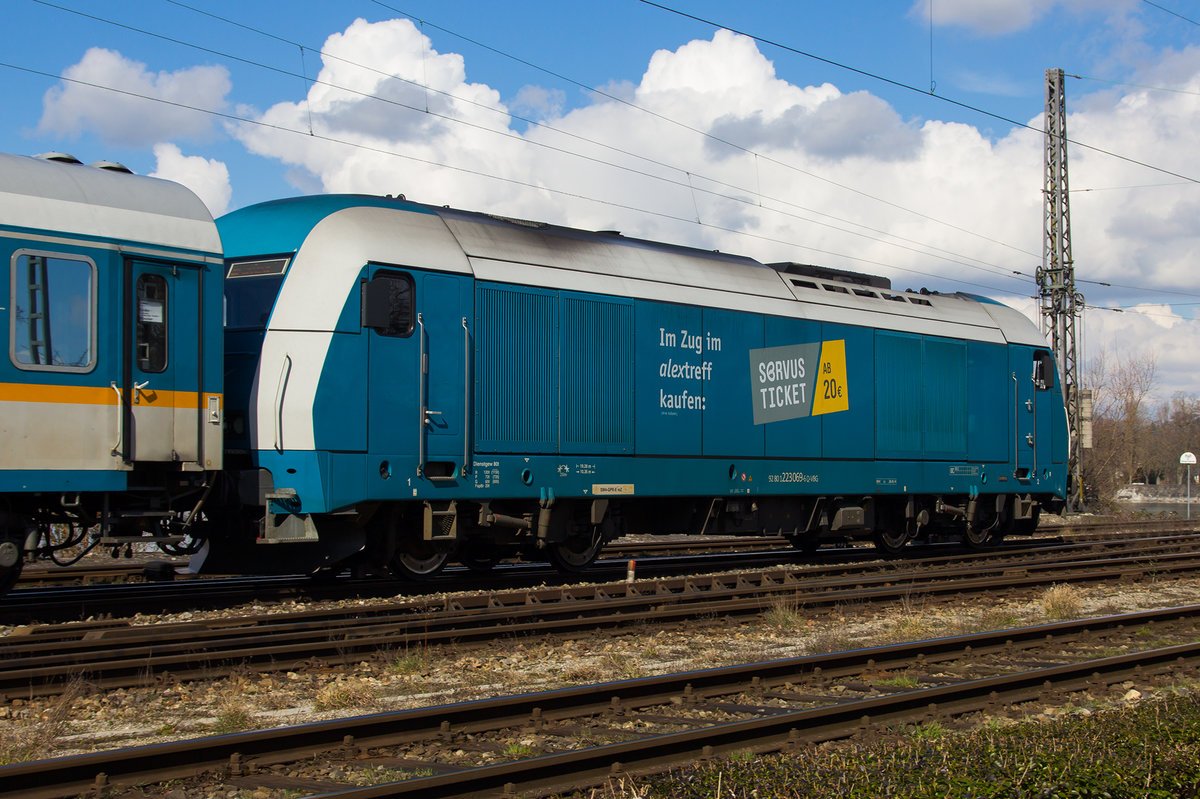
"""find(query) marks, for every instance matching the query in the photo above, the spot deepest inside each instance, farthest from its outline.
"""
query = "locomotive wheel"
(576, 553)
(478, 556)
(11, 560)
(412, 557)
(895, 529)
(805, 544)
(892, 539)
(1027, 526)
(983, 532)
(418, 563)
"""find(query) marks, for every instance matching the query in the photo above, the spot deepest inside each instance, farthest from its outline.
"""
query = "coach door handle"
(116, 450)
(137, 391)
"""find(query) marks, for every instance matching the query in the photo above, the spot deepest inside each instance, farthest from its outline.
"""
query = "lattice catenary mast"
(1060, 303)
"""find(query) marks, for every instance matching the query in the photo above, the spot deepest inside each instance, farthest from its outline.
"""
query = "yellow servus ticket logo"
(783, 384)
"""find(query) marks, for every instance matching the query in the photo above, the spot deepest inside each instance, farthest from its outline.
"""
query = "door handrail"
(116, 450)
(466, 467)
(423, 369)
(280, 390)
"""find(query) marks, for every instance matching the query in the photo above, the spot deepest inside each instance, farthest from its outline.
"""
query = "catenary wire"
(706, 134)
(689, 185)
(908, 87)
(478, 173)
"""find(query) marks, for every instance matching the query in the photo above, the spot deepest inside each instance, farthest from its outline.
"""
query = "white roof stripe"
(86, 201)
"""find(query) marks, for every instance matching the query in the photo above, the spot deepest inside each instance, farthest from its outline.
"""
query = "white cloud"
(127, 119)
(1001, 17)
(538, 102)
(1148, 330)
(207, 177)
(822, 160)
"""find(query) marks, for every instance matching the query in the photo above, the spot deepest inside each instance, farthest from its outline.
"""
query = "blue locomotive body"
(111, 381)
(407, 383)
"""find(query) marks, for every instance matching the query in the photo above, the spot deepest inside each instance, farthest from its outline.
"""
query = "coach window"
(53, 320)
(389, 304)
(151, 336)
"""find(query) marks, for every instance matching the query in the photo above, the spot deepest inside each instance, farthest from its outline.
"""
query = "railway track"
(66, 603)
(60, 602)
(39, 661)
(584, 735)
(102, 571)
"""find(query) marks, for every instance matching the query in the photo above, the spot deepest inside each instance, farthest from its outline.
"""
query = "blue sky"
(831, 149)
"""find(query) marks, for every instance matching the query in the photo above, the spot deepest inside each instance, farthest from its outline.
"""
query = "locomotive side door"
(1045, 397)
(418, 367)
(1024, 415)
(162, 355)
(442, 321)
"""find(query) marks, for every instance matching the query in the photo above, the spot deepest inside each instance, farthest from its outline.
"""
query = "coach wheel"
(576, 553)
(11, 560)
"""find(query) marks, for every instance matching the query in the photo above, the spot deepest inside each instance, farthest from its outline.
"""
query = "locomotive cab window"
(151, 323)
(1043, 371)
(52, 325)
(389, 304)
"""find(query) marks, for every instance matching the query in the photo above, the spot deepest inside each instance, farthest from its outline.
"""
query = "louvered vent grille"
(597, 376)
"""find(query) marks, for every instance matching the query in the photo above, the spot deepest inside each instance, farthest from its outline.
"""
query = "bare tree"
(1121, 386)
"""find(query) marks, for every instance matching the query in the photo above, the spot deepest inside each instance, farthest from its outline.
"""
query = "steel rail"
(243, 751)
(122, 657)
(588, 767)
(998, 561)
(73, 602)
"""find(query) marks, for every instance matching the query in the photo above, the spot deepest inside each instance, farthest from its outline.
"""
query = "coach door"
(419, 379)
(162, 361)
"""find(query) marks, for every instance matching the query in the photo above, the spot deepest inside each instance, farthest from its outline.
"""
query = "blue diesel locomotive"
(408, 384)
(404, 385)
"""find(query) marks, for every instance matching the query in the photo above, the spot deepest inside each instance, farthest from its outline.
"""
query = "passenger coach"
(110, 386)
(409, 383)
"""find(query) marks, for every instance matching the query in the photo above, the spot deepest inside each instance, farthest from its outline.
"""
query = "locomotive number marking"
(793, 477)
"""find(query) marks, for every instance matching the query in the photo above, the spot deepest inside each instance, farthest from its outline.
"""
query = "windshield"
(250, 291)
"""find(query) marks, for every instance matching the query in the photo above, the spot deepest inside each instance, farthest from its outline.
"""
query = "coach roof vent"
(62, 158)
(111, 166)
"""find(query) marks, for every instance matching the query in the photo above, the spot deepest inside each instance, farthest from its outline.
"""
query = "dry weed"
(34, 739)
(785, 613)
(1061, 602)
(345, 694)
